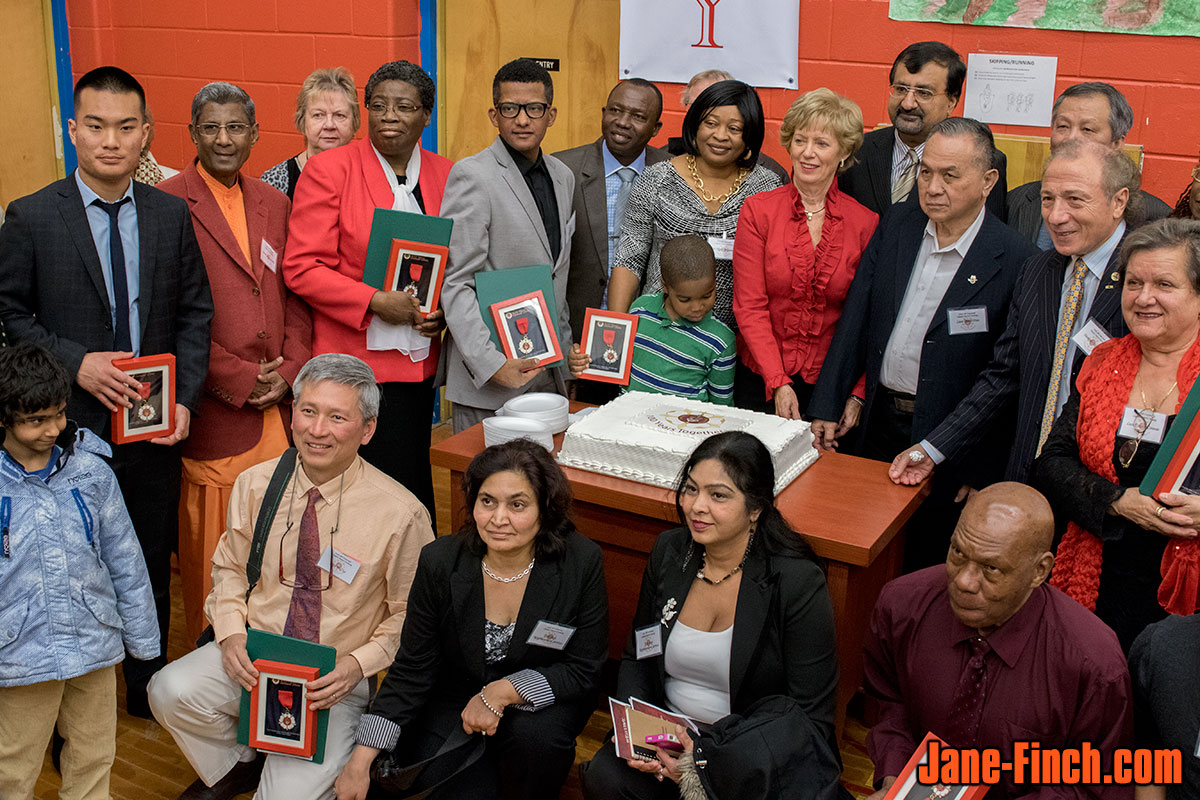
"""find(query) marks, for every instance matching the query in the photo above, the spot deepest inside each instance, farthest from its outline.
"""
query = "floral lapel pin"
(668, 611)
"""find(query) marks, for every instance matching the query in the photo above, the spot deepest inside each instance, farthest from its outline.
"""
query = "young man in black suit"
(58, 289)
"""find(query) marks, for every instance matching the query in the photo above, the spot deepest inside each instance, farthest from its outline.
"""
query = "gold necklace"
(720, 198)
(1129, 449)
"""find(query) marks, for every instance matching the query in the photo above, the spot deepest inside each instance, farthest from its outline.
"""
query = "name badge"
(550, 634)
(722, 247)
(268, 255)
(971, 319)
(649, 641)
(344, 567)
(1144, 423)
(1090, 337)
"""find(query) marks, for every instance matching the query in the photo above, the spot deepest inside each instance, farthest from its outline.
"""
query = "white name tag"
(971, 319)
(1146, 424)
(550, 634)
(344, 567)
(649, 641)
(1090, 337)
(722, 247)
(268, 255)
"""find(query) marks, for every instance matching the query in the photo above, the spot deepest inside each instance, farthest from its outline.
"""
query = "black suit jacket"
(52, 288)
(783, 635)
(588, 275)
(869, 180)
(1019, 373)
(1025, 210)
(949, 363)
(441, 657)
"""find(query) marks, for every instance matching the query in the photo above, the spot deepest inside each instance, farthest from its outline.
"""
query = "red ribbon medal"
(285, 699)
(144, 390)
(414, 270)
(523, 325)
(610, 336)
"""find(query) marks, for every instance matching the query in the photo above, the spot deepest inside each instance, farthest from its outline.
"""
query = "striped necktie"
(1061, 342)
(906, 179)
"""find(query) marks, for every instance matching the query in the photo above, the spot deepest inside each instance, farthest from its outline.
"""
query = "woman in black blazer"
(505, 634)
(736, 563)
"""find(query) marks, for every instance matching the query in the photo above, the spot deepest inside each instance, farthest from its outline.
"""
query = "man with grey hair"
(261, 332)
(927, 303)
(1095, 112)
(338, 560)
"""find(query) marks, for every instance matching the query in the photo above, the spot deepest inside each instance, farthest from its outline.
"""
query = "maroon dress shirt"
(1056, 675)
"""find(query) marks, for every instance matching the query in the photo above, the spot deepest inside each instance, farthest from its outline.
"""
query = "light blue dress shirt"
(99, 222)
(612, 184)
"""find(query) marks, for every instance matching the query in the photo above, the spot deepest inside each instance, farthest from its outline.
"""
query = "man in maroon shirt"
(1051, 672)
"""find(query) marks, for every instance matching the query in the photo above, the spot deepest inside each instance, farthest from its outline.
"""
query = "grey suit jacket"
(52, 288)
(496, 226)
(1025, 210)
(588, 277)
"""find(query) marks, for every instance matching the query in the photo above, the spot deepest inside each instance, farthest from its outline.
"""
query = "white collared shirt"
(932, 273)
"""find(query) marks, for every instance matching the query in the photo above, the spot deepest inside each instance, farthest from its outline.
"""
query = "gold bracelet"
(488, 705)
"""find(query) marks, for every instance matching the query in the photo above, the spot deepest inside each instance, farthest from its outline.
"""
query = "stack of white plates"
(497, 430)
(551, 409)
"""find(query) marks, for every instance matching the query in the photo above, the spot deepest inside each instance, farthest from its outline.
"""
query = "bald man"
(983, 652)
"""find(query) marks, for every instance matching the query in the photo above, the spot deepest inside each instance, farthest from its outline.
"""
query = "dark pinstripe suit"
(1019, 373)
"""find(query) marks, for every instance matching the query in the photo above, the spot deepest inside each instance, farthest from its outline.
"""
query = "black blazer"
(783, 633)
(52, 288)
(869, 180)
(1025, 210)
(440, 660)
(588, 276)
(949, 363)
(1019, 372)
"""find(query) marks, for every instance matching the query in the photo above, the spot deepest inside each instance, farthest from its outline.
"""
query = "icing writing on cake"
(690, 421)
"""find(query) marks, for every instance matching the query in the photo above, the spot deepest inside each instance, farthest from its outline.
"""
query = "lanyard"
(5, 514)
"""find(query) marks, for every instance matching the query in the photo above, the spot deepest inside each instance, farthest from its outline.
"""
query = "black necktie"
(122, 339)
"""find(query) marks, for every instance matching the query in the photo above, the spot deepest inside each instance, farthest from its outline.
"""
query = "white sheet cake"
(646, 438)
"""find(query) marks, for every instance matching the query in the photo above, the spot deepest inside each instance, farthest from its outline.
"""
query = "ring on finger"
(1158, 511)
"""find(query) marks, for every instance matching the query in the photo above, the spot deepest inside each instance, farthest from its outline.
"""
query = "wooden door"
(481, 35)
(31, 157)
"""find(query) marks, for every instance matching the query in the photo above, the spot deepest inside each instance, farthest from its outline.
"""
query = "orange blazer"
(335, 198)
(255, 317)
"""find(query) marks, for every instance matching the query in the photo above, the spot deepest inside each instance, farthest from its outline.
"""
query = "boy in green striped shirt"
(680, 348)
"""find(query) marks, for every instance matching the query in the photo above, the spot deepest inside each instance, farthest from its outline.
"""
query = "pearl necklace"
(720, 198)
(513, 579)
(811, 214)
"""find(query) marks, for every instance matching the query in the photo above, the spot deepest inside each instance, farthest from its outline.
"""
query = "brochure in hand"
(636, 720)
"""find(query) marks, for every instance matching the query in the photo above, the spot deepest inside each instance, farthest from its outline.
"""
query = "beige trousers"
(85, 709)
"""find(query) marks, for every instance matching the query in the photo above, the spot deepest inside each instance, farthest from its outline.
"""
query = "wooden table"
(847, 507)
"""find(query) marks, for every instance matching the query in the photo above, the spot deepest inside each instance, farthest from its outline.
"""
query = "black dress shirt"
(541, 186)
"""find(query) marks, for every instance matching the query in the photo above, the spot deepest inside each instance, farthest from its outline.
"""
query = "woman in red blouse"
(796, 252)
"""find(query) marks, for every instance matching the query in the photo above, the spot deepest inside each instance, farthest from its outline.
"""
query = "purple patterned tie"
(967, 707)
(304, 615)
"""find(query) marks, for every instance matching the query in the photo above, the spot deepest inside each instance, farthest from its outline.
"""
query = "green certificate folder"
(273, 647)
(498, 285)
(1174, 455)
(388, 225)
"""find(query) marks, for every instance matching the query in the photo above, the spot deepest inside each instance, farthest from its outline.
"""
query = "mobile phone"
(667, 741)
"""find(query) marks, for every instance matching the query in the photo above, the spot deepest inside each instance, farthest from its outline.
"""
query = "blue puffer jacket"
(73, 583)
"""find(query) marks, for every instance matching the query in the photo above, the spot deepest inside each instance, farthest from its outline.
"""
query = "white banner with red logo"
(756, 41)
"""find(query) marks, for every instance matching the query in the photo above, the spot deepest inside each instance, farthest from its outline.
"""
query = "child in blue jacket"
(74, 591)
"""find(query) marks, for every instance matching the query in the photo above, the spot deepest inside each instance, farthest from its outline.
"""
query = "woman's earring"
(842, 164)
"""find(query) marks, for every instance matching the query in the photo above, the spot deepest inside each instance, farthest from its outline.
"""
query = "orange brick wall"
(269, 46)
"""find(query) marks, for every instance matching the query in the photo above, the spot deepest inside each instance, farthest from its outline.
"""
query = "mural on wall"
(1154, 17)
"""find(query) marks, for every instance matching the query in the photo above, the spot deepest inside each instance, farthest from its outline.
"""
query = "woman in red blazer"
(796, 252)
(336, 197)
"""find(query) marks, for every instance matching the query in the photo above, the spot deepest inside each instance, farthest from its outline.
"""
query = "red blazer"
(255, 317)
(335, 198)
(787, 299)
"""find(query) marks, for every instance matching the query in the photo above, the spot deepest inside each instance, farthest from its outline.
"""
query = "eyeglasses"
(287, 529)
(1142, 420)
(379, 108)
(210, 130)
(532, 110)
(900, 91)
(1196, 173)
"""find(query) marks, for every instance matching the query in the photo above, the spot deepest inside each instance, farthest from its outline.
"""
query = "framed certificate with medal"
(152, 414)
(526, 329)
(280, 720)
(608, 339)
(417, 268)
(910, 783)
(1176, 465)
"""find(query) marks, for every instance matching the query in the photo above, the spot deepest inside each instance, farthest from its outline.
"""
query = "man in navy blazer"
(58, 289)
(1085, 194)
(926, 305)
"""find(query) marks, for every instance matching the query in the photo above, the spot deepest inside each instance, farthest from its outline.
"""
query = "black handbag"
(262, 526)
(417, 781)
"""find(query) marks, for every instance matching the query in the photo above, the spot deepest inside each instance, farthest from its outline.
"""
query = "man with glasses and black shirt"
(511, 206)
(335, 510)
(925, 84)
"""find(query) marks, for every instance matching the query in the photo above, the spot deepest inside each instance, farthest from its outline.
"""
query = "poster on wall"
(672, 40)
(1153, 17)
(1010, 89)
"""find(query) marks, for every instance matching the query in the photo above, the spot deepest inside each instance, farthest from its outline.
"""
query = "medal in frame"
(417, 268)
(909, 787)
(280, 720)
(152, 414)
(525, 328)
(608, 339)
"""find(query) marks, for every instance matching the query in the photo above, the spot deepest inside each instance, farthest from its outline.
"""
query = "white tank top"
(697, 664)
